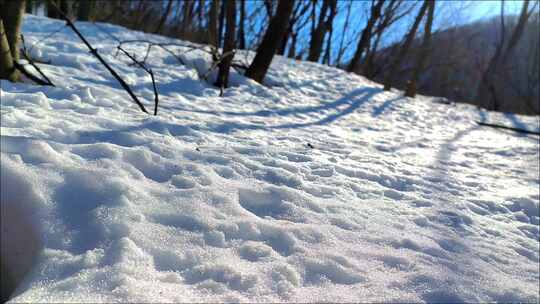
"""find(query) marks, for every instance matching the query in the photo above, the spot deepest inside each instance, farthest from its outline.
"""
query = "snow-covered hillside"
(318, 186)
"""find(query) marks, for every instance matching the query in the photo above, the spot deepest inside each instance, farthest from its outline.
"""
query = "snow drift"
(318, 186)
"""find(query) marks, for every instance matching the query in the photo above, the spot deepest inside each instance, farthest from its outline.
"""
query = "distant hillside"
(461, 54)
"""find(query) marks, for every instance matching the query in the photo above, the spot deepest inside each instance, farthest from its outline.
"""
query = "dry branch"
(26, 73)
(47, 81)
(149, 71)
(508, 128)
(96, 54)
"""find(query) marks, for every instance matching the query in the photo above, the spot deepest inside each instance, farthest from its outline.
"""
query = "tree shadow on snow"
(339, 108)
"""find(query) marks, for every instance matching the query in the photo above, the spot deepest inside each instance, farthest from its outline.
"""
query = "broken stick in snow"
(508, 128)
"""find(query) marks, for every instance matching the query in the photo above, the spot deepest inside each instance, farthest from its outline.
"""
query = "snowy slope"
(317, 187)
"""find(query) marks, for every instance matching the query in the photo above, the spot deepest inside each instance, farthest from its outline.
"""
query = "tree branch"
(508, 128)
(32, 63)
(96, 54)
(149, 71)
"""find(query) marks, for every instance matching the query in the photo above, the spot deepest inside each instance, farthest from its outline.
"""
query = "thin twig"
(149, 71)
(26, 73)
(32, 63)
(508, 128)
(46, 37)
(96, 54)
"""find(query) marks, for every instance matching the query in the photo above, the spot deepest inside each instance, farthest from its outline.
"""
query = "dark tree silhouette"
(363, 43)
(423, 54)
(404, 49)
(11, 15)
(271, 41)
(228, 45)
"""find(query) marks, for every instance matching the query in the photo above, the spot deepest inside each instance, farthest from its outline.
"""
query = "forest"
(491, 63)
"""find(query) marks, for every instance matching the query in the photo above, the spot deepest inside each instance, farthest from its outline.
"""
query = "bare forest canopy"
(424, 47)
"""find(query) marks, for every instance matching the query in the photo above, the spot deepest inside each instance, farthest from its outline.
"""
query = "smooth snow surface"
(318, 186)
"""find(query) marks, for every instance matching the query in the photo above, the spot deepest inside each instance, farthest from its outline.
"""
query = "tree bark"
(241, 31)
(187, 17)
(7, 68)
(164, 17)
(84, 11)
(365, 38)
(330, 30)
(271, 41)
(65, 7)
(212, 23)
(221, 24)
(11, 15)
(423, 54)
(228, 45)
(30, 6)
(487, 91)
(317, 37)
(392, 70)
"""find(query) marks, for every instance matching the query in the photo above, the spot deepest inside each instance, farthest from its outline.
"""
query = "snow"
(318, 186)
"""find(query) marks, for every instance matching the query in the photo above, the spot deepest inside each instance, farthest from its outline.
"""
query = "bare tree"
(404, 49)
(85, 10)
(271, 41)
(241, 30)
(296, 24)
(423, 54)
(323, 26)
(363, 43)
(330, 30)
(164, 17)
(221, 24)
(11, 16)
(212, 23)
(393, 11)
(228, 45)
(487, 91)
(299, 9)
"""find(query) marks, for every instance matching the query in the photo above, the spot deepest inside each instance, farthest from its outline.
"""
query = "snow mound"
(318, 186)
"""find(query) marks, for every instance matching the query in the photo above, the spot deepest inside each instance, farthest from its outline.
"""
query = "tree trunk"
(212, 23)
(30, 6)
(51, 10)
(7, 68)
(200, 13)
(487, 90)
(341, 49)
(392, 70)
(164, 17)
(423, 53)
(64, 7)
(187, 17)
(354, 65)
(241, 32)
(330, 29)
(271, 41)
(317, 37)
(11, 15)
(84, 11)
(299, 10)
(221, 23)
(228, 45)
(292, 48)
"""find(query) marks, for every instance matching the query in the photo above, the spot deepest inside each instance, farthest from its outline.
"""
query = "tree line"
(356, 36)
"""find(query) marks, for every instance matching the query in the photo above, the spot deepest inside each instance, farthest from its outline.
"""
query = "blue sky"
(488, 8)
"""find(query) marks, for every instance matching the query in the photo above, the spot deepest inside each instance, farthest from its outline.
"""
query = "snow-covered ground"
(318, 186)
